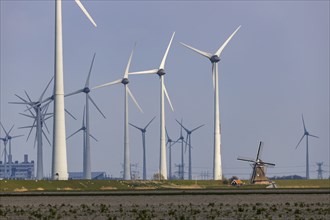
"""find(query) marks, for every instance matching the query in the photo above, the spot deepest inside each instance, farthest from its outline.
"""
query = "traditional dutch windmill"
(258, 175)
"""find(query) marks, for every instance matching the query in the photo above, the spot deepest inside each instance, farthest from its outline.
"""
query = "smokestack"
(26, 158)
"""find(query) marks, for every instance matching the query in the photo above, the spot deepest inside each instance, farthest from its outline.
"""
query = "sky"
(275, 69)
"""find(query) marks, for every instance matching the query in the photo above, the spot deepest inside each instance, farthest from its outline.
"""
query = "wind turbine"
(161, 72)
(59, 158)
(87, 167)
(306, 133)
(215, 58)
(170, 143)
(188, 138)
(143, 131)
(181, 139)
(125, 81)
(5, 140)
(86, 152)
(39, 119)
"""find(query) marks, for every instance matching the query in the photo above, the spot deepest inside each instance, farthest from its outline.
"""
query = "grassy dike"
(121, 185)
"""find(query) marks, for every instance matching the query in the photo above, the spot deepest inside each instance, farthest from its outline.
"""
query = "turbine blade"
(33, 125)
(4, 129)
(153, 71)
(43, 93)
(134, 100)
(219, 51)
(80, 129)
(182, 127)
(43, 132)
(28, 96)
(93, 137)
(85, 12)
(168, 137)
(129, 63)
(11, 129)
(168, 98)
(150, 123)
(26, 127)
(162, 64)
(22, 99)
(30, 116)
(302, 117)
(196, 128)
(70, 114)
(74, 93)
(89, 73)
(205, 54)
(108, 84)
(135, 126)
(90, 98)
(313, 136)
(300, 140)
(16, 136)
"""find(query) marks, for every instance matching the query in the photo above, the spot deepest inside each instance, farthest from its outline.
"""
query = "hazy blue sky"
(274, 69)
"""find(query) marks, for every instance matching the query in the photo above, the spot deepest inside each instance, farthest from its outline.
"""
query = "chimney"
(26, 158)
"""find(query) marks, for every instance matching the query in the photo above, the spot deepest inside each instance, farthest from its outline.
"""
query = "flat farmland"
(204, 204)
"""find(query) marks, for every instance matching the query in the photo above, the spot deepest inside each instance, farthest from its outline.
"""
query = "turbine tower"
(161, 72)
(59, 158)
(7, 139)
(87, 156)
(143, 131)
(215, 58)
(86, 153)
(125, 81)
(188, 138)
(170, 143)
(306, 133)
(39, 121)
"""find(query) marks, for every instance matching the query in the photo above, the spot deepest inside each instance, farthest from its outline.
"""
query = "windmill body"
(163, 92)
(215, 58)
(87, 171)
(59, 155)
(125, 82)
(306, 134)
(258, 175)
(143, 132)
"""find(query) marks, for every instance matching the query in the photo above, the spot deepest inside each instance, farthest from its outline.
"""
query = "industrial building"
(16, 170)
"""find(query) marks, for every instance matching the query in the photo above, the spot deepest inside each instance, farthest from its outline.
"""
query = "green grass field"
(113, 185)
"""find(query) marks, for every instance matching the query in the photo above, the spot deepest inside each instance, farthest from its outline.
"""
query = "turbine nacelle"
(125, 81)
(215, 59)
(161, 72)
(86, 90)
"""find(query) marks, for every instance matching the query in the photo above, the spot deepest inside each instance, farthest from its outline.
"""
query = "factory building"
(16, 170)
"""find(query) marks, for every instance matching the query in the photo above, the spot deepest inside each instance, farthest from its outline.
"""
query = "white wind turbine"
(170, 143)
(125, 81)
(161, 72)
(59, 158)
(5, 140)
(86, 152)
(87, 161)
(39, 119)
(143, 131)
(215, 58)
(188, 143)
(306, 134)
